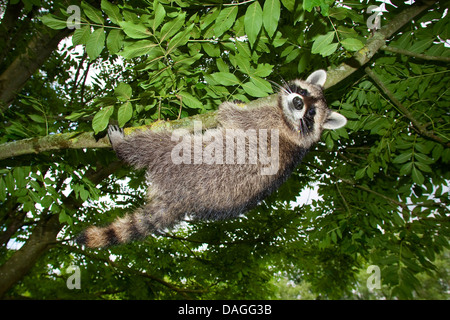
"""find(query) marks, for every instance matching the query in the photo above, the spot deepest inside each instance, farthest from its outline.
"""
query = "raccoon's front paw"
(115, 135)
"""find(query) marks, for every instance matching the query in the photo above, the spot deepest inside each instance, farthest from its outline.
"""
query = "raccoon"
(204, 185)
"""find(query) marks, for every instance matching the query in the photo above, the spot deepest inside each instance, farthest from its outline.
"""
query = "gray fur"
(216, 191)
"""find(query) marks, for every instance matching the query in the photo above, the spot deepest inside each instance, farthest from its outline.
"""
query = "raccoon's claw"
(115, 135)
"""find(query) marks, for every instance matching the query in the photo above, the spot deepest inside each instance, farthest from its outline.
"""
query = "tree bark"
(21, 262)
(40, 47)
(43, 236)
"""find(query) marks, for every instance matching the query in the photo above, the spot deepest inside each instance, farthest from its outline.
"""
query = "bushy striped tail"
(132, 227)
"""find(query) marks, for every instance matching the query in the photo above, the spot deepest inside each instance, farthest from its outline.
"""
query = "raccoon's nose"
(298, 103)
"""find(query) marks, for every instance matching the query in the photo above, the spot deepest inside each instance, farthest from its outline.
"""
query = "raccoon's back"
(217, 190)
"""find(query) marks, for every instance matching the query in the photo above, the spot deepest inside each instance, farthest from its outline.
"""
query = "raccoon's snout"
(298, 103)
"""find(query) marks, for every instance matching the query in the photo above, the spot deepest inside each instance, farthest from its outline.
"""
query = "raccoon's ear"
(334, 121)
(317, 77)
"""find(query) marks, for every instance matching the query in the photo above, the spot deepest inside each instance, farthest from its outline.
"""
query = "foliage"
(382, 181)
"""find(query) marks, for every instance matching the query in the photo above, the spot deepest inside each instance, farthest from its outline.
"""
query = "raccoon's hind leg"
(135, 226)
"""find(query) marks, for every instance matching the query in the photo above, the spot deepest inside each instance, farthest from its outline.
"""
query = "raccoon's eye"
(298, 103)
(303, 92)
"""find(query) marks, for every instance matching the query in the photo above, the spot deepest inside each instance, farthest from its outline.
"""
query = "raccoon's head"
(305, 110)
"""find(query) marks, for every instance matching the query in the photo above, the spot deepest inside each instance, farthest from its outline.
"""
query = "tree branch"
(117, 266)
(374, 43)
(87, 140)
(416, 123)
(76, 140)
(44, 235)
(415, 55)
(361, 187)
(39, 48)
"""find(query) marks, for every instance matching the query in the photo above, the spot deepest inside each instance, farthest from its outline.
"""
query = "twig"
(416, 123)
(415, 55)
(115, 265)
(181, 106)
(352, 183)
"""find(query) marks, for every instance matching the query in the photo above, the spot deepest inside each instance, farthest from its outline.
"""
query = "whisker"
(286, 85)
(279, 86)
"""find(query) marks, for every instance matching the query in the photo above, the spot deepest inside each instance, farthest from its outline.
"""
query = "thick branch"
(76, 140)
(87, 140)
(20, 70)
(43, 236)
(377, 41)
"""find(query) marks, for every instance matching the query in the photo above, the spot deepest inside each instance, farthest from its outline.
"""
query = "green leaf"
(125, 113)
(160, 14)
(226, 78)
(53, 21)
(243, 63)
(123, 91)
(101, 119)
(352, 44)
(186, 60)
(81, 35)
(421, 46)
(135, 31)
(114, 41)
(9, 181)
(323, 45)
(254, 90)
(303, 63)
(292, 55)
(47, 201)
(225, 20)
(84, 194)
(37, 118)
(423, 158)
(112, 11)
(329, 49)
(253, 21)
(95, 43)
(263, 70)
(423, 167)
(20, 174)
(406, 168)
(271, 16)
(402, 158)
(180, 39)
(212, 50)
(2, 190)
(262, 84)
(360, 173)
(140, 48)
(417, 176)
(172, 27)
(308, 5)
(64, 218)
(92, 13)
(190, 101)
